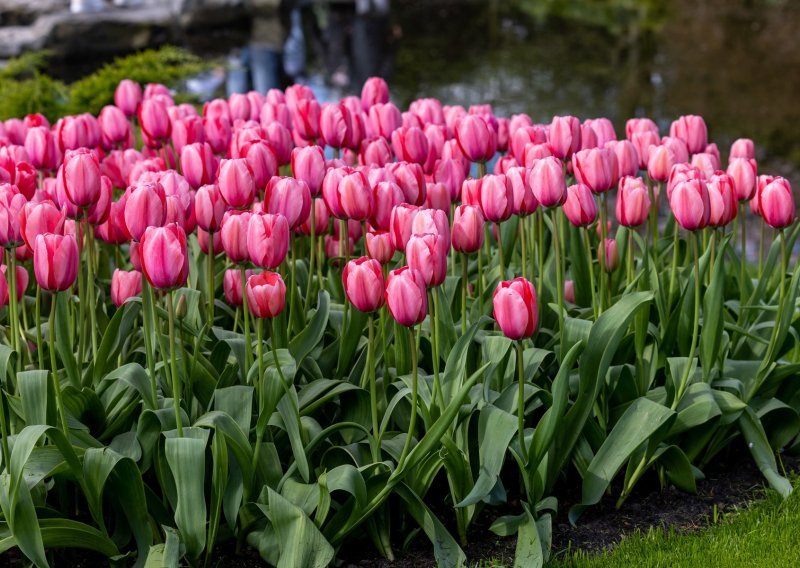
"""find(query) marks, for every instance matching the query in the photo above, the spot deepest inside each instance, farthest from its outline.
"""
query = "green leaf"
(33, 390)
(713, 299)
(66, 533)
(304, 342)
(445, 548)
(186, 459)
(300, 542)
(63, 341)
(117, 332)
(756, 439)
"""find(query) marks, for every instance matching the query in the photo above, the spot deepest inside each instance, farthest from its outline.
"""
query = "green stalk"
(54, 367)
(293, 291)
(631, 271)
(601, 262)
(465, 290)
(695, 324)
(500, 250)
(521, 403)
(481, 285)
(674, 269)
(743, 263)
(81, 315)
(414, 383)
(559, 278)
(275, 353)
(210, 280)
(38, 309)
(761, 249)
(524, 247)
(13, 317)
(309, 287)
(588, 246)
(437, 387)
(604, 274)
(4, 431)
(90, 285)
(259, 388)
(540, 275)
(248, 346)
(373, 390)
(173, 364)
(148, 322)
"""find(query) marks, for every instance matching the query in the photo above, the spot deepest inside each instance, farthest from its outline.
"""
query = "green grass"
(765, 534)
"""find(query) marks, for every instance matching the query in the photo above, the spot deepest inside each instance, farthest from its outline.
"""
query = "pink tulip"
(333, 246)
(198, 164)
(411, 180)
(305, 118)
(209, 208)
(127, 96)
(742, 148)
(266, 294)
(321, 218)
(776, 203)
(22, 280)
(375, 91)
(290, 198)
(627, 157)
(81, 177)
(643, 142)
(40, 218)
(468, 233)
(588, 138)
(721, 198)
(155, 123)
(379, 246)
(386, 195)
(383, 119)
(42, 149)
(125, 284)
(595, 168)
(437, 196)
(27, 178)
(743, 173)
(680, 151)
(99, 211)
(603, 129)
(165, 259)
(236, 183)
(401, 222)
(497, 198)
(564, 136)
(611, 258)
(216, 242)
(188, 130)
(679, 173)
(569, 291)
(580, 207)
(308, 165)
(476, 139)
(410, 145)
(145, 206)
(217, 133)
(362, 280)
(692, 130)
(354, 196)
(11, 206)
(55, 261)
(525, 135)
(114, 231)
(633, 202)
(406, 296)
(267, 239)
(690, 204)
(660, 162)
(525, 202)
(515, 308)
(546, 178)
(334, 125)
(434, 221)
(637, 125)
(705, 163)
(427, 254)
(232, 285)
(428, 110)
(115, 127)
(234, 232)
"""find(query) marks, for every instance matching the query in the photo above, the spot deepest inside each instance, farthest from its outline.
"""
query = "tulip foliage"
(298, 326)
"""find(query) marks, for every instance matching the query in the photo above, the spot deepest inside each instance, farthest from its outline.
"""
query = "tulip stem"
(500, 251)
(92, 306)
(540, 244)
(13, 317)
(38, 310)
(373, 390)
(210, 280)
(521, 221)
(695, 324)
(559, 278)
(173, 363)
(248, 346)
(437, 387)
(465, 289)
(309, 287)
(653, 213)
(631, 270)
(259, 388)
(761, 249)
(412, 423)
(743, 263)
(4, 431)
(605, 274)
(148, 322)
(588, 246)
(521, 402)
(480, 280)
(275, 351)
(674, 268)
(51, 332)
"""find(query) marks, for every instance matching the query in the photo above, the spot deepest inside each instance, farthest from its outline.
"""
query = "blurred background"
(736, 62)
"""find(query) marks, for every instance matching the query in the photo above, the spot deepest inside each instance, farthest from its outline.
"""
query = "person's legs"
(265, 68)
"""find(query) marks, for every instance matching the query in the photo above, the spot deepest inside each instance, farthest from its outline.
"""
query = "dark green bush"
(24, 88)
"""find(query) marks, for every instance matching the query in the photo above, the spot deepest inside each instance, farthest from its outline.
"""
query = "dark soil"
(729, 484)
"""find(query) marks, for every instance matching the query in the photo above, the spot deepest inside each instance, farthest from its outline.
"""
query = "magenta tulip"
(692, 130)
(633, 202)
(406, 296)
(379, 246)
(468, 233)
(362, 280)
(427, 254)
(497, 198)
(55, 261)
(165, 259)
(125, 284)
(266, 294)
(564, 136)
(546, 178)
(476, 138)
(776, 203)
(267, 239)
(690, 204)
(515, 308)
(580, 207)
(595, 168)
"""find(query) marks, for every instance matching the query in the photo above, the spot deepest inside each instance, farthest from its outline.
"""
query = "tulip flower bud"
(55, 261)
(383, 119)
(42, 149)
(497, 198)
(386, 195)
(588, 137)
(321, 218)
(680, 150)
(400, 224)
(198, 164)
(611, 258)
(127, 96)
(234, 231)
(643, 142)
(375, 151)
(534, 152)
(564, 136)
(180, 308)
(11, 206)
(476, 139)
(355, 196)
(659, 163)
(114, 127)
(437, 196)
(468, 233)
(379, 246)
(515, 308)
(633, 202)
(406, 296)
(236, 183)
(742, 148)
(451, 174)
(535, 135)
(690, 204)
(145, 206)
(155, 123)
(626, 155)
(636, 125)
(308, 165)
(595, 168)
(427, 254)
(410, 145)
(706, 163)
(776, 203)
(679, 173)
(603, 130)
(546, 178)
(232, 285)
(165, 259)
(362, 280)
(375, 91)
(267, 239)
(81, 177)
(569, 291)
(125, 284)
(721, 198)
(209, 208)
(38, 219)
(434, 221)
(411, 180)
(743, 173)
(692, 130)
(580, 207)
(266, 294)
(290, 198)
